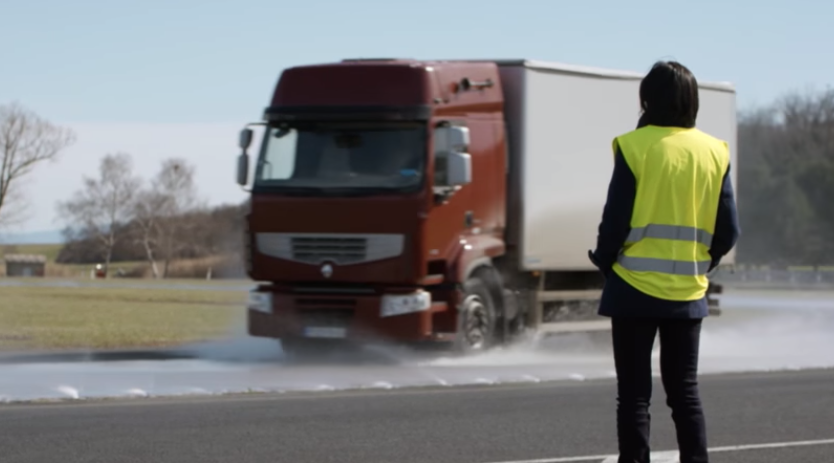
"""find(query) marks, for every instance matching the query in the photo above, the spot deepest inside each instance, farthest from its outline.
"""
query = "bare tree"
(147, 216)
(25, 141)
(103, 204)
(163, 213)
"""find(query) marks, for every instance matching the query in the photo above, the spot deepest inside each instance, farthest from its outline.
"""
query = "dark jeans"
(679, 341)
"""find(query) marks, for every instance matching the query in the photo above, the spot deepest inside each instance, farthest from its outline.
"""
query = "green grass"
(113, 318)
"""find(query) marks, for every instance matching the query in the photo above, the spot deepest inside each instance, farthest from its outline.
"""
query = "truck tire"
(476, 318)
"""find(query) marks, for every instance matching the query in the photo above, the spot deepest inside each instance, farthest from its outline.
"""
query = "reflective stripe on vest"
(672, 267)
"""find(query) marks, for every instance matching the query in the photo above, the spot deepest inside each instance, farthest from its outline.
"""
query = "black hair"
(669, 96)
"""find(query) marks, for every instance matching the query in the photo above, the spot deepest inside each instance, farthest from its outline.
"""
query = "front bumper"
(344, 316)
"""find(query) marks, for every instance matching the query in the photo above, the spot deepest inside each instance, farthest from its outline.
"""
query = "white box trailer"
(561, 122)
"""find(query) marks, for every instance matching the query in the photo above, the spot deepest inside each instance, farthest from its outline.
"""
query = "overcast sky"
(162, 78)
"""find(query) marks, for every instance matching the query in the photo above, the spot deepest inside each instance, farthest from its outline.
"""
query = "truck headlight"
(398, 304)
(259, 301)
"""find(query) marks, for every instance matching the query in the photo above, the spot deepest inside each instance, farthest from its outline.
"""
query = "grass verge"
(50, 318)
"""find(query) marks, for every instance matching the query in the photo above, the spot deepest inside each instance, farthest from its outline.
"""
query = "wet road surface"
(455, 425)
(758, 331)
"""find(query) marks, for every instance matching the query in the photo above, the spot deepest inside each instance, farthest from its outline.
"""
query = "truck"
(436, 202)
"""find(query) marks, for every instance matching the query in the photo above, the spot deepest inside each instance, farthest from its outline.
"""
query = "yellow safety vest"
(679, 173)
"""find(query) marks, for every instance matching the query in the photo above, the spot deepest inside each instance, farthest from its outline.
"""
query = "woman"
(669, 219)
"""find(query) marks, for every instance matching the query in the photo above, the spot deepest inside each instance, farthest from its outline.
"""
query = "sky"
(180, 78)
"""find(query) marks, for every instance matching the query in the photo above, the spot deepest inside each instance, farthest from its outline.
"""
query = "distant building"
(25, 265)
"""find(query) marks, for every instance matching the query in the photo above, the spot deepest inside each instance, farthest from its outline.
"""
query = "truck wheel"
(476, 318)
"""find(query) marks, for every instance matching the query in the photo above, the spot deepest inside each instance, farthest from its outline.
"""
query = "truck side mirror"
(452, 139)
(245, 139)
(243, 169)
(453, 162)
(459, 169)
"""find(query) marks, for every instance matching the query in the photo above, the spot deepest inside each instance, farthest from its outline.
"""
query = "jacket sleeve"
(727, 229)
(616, 216)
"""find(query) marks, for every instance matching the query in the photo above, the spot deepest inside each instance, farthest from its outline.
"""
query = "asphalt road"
(454, 425)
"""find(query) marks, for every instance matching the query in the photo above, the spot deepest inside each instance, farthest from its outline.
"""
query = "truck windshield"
(342, 156)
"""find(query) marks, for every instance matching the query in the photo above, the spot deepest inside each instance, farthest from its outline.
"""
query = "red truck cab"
(378, 205)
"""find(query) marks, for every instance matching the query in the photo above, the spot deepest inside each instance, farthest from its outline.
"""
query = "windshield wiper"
(330, 191)
(295, 190)
(359, 190)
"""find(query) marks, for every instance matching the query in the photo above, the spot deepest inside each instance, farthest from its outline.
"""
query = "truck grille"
(339, 248)
(322, 248)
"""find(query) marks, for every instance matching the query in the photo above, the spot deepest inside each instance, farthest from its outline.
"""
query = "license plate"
(324, 332)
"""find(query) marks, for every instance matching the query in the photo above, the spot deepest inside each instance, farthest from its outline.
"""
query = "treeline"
(163, 222)
(211, 240)
(786, 181)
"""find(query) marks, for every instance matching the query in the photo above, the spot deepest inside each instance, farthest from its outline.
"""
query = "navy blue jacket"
(620, 299)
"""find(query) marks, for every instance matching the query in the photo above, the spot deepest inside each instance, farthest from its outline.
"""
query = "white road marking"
(656, 457)
(776, 445)
(672, 456)
(597, 458)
